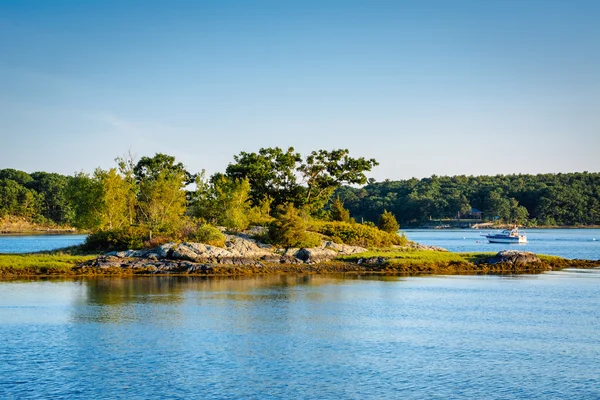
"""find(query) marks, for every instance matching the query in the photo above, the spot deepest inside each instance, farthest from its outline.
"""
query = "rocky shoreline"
(243, 255)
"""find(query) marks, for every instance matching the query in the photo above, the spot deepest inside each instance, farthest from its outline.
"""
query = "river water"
(298, 337)
(33, 243)
(568, 243)
(282, 337)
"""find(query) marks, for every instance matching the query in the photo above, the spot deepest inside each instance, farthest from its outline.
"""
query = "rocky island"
(243, 255)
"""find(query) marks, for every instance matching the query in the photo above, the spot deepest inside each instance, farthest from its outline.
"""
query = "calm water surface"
(278, 337)
(33, 243)
(568, 243)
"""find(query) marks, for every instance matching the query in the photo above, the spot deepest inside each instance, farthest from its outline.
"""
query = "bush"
(338, 212)
(358, 234)
(388, 223)
(208, 234)
(117, 239)
(289, 229)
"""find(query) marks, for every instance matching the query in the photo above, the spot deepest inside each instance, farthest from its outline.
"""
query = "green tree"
(52, 189)
(162, 201)
(84, 195)
(338, 212)
(270, 172)
(289, 228)
(223, 202)
(115, 198)
(388, 223)
(323, 171)
(151, 168)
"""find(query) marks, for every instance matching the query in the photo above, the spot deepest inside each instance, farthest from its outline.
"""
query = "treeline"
(153, 199)
(544, 199)
(40, 197)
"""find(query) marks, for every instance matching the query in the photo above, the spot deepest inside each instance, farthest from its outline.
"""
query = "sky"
(473, 87)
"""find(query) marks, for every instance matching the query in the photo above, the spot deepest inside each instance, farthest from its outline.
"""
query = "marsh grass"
(397, 256)
(41, 262)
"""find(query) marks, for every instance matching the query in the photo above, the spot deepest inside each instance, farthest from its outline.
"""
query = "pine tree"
(388, 223)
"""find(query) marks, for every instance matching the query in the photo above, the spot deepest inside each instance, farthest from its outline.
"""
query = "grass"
(40, 263)
(412, 256)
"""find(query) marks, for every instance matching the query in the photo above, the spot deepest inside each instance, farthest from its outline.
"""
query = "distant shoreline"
(501, 226)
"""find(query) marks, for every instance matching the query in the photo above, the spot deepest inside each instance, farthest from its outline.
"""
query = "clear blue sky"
(425, 87)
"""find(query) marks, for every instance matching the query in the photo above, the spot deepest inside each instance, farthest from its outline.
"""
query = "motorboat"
(507, 236)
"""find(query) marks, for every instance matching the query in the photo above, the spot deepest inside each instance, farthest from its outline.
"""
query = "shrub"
(358, 234)
(388, 223)
(289, 229)
(208, 234)
(117, 239)
(338, 212)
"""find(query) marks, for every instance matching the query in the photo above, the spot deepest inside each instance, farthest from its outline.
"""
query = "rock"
(343, 248)
(513, 257)
(243, 246)
(315, 255)
(372, 261)
(198, 251)
(419, 246)
(165, 250)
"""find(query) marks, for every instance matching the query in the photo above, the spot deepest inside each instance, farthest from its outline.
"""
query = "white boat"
(507, 236)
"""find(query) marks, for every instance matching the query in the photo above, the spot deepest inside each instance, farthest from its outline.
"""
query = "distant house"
(476, 214)
(473, 214)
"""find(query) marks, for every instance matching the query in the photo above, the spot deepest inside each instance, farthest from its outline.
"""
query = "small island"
(271, 211)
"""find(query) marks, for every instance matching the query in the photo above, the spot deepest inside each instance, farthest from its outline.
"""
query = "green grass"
(41, 262)
(410, 256)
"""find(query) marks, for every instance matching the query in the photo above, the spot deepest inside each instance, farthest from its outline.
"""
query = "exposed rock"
(371, 261)
(343, 248)
(513, 257)
(165, 250)
(198, 251)
(243, 246)
(419, 246)
(316, 254)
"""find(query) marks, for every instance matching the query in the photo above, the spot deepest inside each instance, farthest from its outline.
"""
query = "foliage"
(338, 212)
(358, 234)
(548, 199)
(208, 234)
(260, 215)
(223, 202)
(152, 168)
(289, 229)
(272, 175)
(117, 239)
(388, 223)
(162, 202)
(270, 172)
(323, 171)
(84, 194)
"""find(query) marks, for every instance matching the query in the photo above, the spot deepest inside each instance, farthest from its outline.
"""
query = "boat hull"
(505, 240)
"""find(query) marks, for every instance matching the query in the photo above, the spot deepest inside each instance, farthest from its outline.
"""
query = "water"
(281, 337)
(568, 243)
(33, 243)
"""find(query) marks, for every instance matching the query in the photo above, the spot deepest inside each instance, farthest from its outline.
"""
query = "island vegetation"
(255, 186)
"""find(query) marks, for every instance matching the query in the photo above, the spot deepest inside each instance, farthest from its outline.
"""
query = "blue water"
(33, 243)
(568, 243)
(280, 337)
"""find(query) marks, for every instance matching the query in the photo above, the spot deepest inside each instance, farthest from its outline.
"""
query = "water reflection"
(302, 337)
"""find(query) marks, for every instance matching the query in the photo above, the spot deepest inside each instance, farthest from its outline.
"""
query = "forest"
(569, 199)
(157, 197)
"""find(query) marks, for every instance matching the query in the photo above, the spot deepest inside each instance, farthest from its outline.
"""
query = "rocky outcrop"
(419, 246)
(514, 257)
(239, 250)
